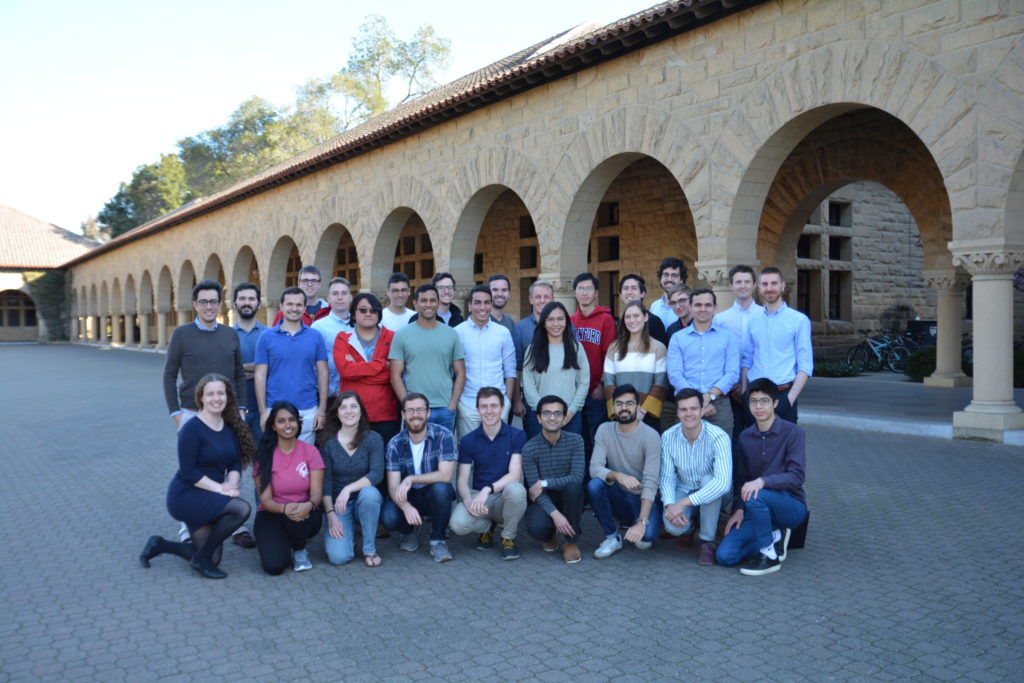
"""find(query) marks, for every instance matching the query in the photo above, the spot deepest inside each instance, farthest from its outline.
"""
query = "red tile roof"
(27, 242)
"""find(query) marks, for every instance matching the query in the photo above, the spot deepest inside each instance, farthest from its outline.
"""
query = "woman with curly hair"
(353, 456)
(636, 358)
(289, 476)
(212, 450)
(555, 364)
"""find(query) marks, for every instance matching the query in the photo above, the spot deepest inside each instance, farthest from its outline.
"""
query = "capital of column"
(715, 273)
(989, 261)
(946, 280)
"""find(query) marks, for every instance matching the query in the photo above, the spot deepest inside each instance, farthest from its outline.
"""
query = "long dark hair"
(333, 425)
(537, 355)
(232, 418)
(268, 442)
(622, 334)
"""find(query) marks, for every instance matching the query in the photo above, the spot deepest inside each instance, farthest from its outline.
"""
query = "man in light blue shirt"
(736, 319)
(706, 357)
(490, 357)
(778, 346)
(339, 296)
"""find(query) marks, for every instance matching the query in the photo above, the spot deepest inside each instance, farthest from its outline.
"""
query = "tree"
(92, 230)
(154, 190)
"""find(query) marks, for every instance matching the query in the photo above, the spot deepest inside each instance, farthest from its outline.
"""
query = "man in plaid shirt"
(419, 462)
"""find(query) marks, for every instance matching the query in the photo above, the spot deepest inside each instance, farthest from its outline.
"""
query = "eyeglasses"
(416, 411)
(763, 401)
(309, 281)
(585, 290)
(207, 302)
(446, 288)
(678, 302)
(363, 309)
(551, 413)
(625, 404)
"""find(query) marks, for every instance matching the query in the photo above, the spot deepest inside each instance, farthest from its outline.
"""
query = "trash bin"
(926, 331)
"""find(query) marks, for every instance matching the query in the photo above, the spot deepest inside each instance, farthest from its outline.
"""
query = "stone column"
(129, 329)
(716, 274)
(161, 329)
(102, 330)
(273, 306)
(992, 410)
(144, 329)
(182, 316)
(563, 290)
(73, 332)
(115, 329)
(949, 285)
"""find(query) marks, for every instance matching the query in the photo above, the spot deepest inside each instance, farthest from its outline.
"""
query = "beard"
(625, 418)
(246, 313)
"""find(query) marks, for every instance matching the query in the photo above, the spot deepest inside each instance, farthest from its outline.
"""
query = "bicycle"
(878, 352)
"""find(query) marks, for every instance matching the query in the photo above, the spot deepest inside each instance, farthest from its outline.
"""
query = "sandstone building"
(713, 130)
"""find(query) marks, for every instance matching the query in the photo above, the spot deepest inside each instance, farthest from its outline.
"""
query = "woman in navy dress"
(213, 448)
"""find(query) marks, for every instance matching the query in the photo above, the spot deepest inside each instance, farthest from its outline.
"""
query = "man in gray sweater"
(624, 474)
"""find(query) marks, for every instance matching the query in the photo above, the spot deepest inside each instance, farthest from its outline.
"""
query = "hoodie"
(596, 332)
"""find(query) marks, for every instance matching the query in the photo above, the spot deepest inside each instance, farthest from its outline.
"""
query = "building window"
(291, 271)
(840, 248)
(839, 295)
(478, 264)
(840, 214)
(527, 257)
(608, 248)
(526, 228)
(607, 214)
(16, 309)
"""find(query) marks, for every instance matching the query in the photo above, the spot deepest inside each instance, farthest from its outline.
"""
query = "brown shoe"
(685, 541)
(551, 545)
(706, 558)
(244, 539)
(571, 553)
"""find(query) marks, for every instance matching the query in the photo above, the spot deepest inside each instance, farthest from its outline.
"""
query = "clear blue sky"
(93, 89)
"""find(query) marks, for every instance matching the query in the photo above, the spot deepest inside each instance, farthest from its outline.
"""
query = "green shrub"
(920, 364)
(840, 369)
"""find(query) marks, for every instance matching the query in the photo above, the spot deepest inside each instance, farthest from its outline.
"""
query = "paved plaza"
(912, 570)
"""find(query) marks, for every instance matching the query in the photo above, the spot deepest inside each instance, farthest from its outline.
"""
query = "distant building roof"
(27, 242)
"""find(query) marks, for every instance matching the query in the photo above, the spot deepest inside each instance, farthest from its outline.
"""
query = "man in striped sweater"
(696, 471)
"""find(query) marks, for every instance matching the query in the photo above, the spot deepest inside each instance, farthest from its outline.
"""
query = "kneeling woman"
(354, 457)
(289, 477)
(213, 447)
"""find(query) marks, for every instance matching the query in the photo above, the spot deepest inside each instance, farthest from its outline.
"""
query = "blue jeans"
(433, 500)
(252, 421)
(595, 414)
(443, 416)
(610, 502)
(365, 511)
(708, 517)
(769, 511)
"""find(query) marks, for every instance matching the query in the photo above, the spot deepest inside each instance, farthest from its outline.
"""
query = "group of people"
(665, 421)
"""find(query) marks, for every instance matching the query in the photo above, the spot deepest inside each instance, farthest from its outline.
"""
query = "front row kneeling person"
(419, 463)
(696, 471)
(624, 476)
(770, 502)
(353, 457)
(204, 493)
(553, 463)
(493, 451)
(289, 476)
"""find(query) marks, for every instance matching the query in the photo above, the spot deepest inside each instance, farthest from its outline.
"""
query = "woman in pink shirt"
(289, 510)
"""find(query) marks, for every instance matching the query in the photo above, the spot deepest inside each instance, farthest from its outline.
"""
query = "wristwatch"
(543, 483)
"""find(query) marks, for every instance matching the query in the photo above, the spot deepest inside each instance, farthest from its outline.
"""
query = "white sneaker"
(608, 547)
(643, 545)
(300, 560)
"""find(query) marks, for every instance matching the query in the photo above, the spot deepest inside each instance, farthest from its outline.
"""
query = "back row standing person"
(309, 285)
(339, 319)
(541, 293)
(555, 364)
(447, 312)
(671, 272)
(778, 346)
(595, 331)
(246, 304)
(197, 349)
(291, 365)
(427, 358)
(500, 292)
(736, 319)
(633, 287)
(489, 357)
(638, 360)
(396, 315)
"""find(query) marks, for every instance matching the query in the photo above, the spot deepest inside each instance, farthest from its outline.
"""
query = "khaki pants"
(506, 508)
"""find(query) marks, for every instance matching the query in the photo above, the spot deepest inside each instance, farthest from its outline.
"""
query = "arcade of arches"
(858, 153)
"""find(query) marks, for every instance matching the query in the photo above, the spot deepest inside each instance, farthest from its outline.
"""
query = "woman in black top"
(213, 448)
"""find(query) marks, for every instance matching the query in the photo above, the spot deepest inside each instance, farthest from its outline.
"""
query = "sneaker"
(608, 547)
(243, 539)
(685, 541)
(509, 551)
(410, 542)
(183, 535)
(571, 553)
(761, 565)
(439, 551)
(782, 545)
(643, 545)
(300, 561)
(706, 558)
(486, 540)
(551, 545)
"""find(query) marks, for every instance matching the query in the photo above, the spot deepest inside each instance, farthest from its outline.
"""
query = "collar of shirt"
(344, 321)
(206, 329)
(483, 435)
(256, 326)
(782, 307)
(280, 329)
(691, 328)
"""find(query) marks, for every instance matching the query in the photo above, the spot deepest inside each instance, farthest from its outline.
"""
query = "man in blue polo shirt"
(493, 453)
(291, 365)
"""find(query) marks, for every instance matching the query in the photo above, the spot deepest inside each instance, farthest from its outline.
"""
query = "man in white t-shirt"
(396, 315)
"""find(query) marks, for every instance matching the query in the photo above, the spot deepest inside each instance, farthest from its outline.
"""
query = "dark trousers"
(434, 500)
(387, 430)
(569, 502)
(277, 536)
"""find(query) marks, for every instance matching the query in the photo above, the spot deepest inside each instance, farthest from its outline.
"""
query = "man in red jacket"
(316, 308)
(595, 330)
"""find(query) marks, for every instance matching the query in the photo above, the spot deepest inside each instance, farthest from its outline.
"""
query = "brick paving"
(912, 570)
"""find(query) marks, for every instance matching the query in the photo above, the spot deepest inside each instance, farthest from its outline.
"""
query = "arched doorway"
(19, 321)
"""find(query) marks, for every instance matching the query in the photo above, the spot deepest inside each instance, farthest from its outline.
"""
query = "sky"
(91, 90)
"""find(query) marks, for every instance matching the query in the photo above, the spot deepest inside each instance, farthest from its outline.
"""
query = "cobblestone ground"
(912, 569)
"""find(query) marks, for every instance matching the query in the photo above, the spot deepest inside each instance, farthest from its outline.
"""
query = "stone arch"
(326, 256)
(276, 272)
(165, 291)
(104, 301)
(1014, 212)
(596, 157)
(214, 270)
(1002, 146)
(480, 181)
(145, 293)
(244, 266)
(772, 118)
(130, 304)
(401, 198)
(93, 300)
(116, 311)
(186, 281)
